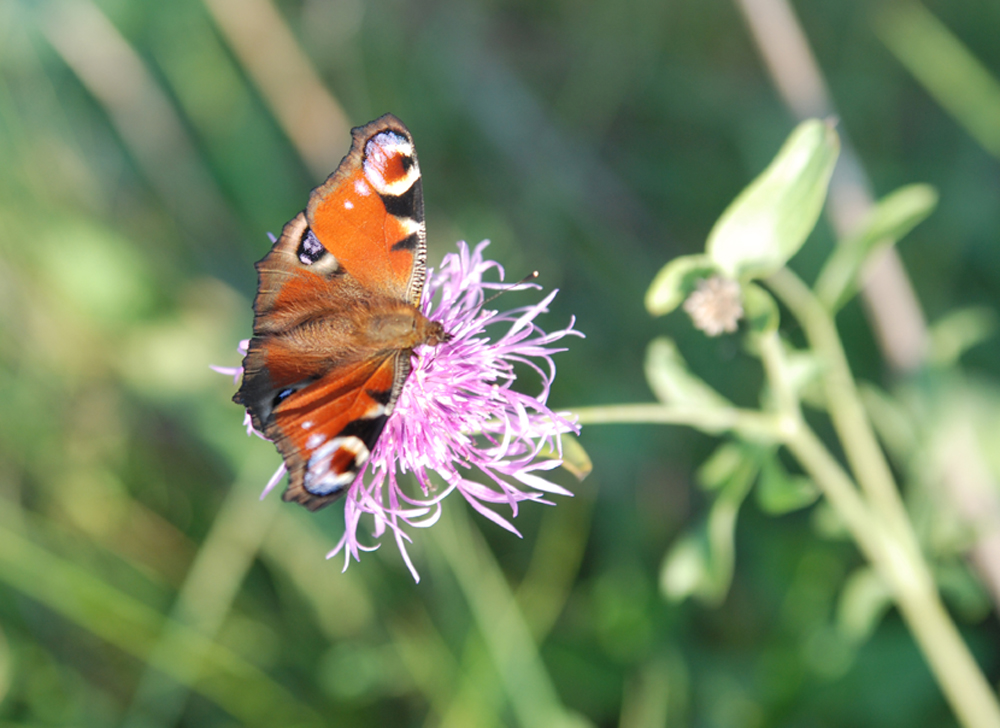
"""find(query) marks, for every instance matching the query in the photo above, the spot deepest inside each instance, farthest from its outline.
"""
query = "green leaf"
(863, 602)
(722, 465)
(771, 219)
(802, 375)
(891, 219)
(701, 563)
(675, 282)
(672, 382)
(962, 590)
(685, 572)
(896, 424)
(827, 523)
(958, 331)
(721, 531)
(760, 309)
(779, 492)
(575, 458)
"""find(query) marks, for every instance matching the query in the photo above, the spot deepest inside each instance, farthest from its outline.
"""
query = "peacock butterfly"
(336, 316)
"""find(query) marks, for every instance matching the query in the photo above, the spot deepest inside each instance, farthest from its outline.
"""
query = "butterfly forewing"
(371, 211)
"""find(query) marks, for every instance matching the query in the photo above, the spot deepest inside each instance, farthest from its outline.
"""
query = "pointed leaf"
(760, 309)
(684, 571)
(895, 423)
(771, 219)
(722, 465)
(891, 219)
(863, 602)
(779, 492)
(803, 369)
(675, 282)
(721, 530)
(700, 564)
(827, 523)
(575, 458)
(958, 331)
(672, 382)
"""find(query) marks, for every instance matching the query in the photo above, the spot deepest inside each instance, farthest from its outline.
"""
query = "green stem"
(773, 357)
(956, 671)
(754, 425)
(861, 447)
(879, 523)
(837, 486)
(875, 515)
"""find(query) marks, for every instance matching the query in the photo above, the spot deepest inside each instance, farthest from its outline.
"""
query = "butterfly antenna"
(530, 277)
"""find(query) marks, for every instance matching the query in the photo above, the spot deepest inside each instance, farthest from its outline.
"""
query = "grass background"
(145, 150)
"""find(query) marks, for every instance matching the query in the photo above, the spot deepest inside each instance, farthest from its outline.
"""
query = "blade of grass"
(530, 692)
(309, 114)
(140, 111)
(943, 65)
(76, 594)
(205, 598)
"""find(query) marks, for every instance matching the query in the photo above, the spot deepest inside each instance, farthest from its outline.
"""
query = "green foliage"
(771, 219)
(671, 380)
(701, 563)
(760, 309)
(909, 548)
(781, 492)
(892, 218)
(675, 282)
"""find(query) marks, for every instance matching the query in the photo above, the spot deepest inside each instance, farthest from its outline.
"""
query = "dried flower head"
(715, 306)
(458, 415)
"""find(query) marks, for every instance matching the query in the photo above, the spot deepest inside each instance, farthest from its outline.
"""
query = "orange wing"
(312, 382)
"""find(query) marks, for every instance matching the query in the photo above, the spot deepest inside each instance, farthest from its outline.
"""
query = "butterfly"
(336, 315)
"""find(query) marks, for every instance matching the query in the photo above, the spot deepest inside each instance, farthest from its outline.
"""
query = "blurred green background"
(146, 148)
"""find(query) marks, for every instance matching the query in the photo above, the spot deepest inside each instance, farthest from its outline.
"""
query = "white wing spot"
(361, 187)
(376, 410)
(348, 205)
(410, 225)
(315, 440)
(307, 424)
(378, 151)
(319, 479)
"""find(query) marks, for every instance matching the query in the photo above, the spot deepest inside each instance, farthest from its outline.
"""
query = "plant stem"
(875, 515)
(881, 525)
(750, 423)
(843, 402)
(906, 573)
(901, 567)
(773, 357)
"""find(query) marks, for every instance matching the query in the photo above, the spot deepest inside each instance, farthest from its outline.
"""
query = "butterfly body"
(336, 316)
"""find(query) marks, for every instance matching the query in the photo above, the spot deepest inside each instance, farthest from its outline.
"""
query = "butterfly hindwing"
(327, 430)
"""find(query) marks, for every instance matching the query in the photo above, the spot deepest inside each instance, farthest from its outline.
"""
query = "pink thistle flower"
(459, 416)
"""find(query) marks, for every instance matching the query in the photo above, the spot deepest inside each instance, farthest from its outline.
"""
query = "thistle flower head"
(459, 416)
